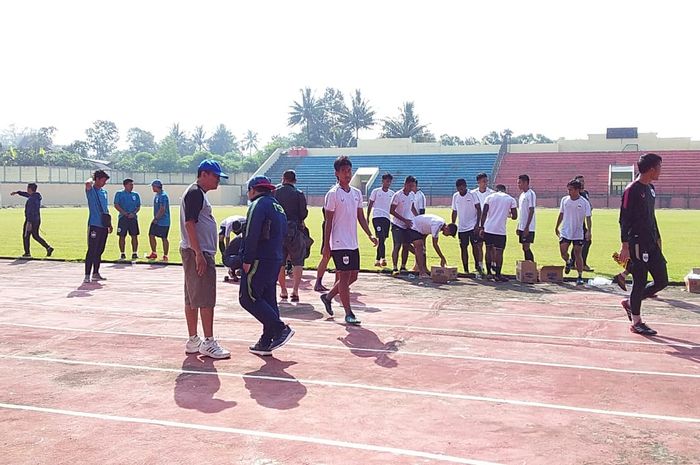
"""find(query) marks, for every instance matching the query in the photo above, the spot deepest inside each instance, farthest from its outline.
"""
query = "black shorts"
(576, 242)
(495, 240)
(529, 239)
(381, 227)
(465, 237)
(412, 235)
(127, 226)
(158, 231)
(346, 260)
(399, 235)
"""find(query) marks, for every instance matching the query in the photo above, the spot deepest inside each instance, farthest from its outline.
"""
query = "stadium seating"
(436, 172)
(549, 172)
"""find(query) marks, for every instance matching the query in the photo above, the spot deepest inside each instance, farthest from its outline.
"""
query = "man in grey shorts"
(198, 246)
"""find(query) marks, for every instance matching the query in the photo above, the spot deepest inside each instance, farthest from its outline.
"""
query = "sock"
(529, 255)
(192, 338)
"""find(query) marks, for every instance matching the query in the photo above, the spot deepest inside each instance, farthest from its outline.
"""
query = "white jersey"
(227, 223)
(465, 206)
(344, 206)
(482, 195)
(428, 224)
(403, 203)
(575, 212)
(382, 202)
(525, 201)
(420, 201)
(500, 205)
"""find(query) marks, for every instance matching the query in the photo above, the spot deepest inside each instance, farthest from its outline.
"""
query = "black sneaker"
(567, 266)
(403, 271)
(27, 255)
(282, 338)
(327, 303)
(620, 281)
(352, 320)
(579, 281)
(49, 251)
(122, 257)
(260, 349)
(626, 305)
(643, 329)
(134, 256)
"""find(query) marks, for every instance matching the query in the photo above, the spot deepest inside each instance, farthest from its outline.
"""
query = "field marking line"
(250, 433)
(384, 351)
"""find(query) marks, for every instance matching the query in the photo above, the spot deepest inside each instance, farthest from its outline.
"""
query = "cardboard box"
(552, 274)
(692, 281)
(526, 271)
(442, 275)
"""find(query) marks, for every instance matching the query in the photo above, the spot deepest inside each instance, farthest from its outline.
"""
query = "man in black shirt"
(641, 241)
(32, 219)
(294, 244)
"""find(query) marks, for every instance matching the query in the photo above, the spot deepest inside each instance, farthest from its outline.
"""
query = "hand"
(200, 263)
(109, 230)
(588, 235)
(246, 268)
(409, 223)
(13, 193)
(624, 253)
(374, 240)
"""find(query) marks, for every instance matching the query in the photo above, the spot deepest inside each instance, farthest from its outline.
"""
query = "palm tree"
(406, 125)
(250, 141)
(308, 113)
(360, 116)
(199, 137)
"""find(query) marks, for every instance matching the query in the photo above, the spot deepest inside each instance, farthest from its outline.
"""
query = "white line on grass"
(382, 351)
(416, 392)
(252, 433)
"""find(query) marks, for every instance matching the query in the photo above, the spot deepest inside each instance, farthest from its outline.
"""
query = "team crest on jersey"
(346, 260)
(653, 193)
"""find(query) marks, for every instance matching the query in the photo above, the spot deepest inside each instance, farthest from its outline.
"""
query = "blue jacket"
(32, 207)
(266, 227)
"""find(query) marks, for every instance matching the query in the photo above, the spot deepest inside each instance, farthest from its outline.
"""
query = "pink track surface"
(461, 373)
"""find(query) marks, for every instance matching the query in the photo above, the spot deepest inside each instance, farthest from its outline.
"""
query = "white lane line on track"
(285, 308)
(416, 392)
(381, 351)
(250, 433)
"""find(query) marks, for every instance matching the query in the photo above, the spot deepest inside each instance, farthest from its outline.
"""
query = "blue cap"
(212, 166)
(261, 181)
(157, 183)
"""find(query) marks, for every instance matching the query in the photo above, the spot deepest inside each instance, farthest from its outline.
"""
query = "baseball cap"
(157, 183)
(261, 181)
(212, 166)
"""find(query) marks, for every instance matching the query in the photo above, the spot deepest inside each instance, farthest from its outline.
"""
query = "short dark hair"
(387, 176)
(648, 161)
(127, 181)
(410, 178)
(99, 174)
(461, 182)
(341, 161)
(575, 183)
(481, 176)
(451, 229)
(524, 177)
(500, 187)
(32, 186)
(290, 175)
(579, 176)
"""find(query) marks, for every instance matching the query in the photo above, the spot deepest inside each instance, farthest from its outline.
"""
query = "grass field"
(65, 230)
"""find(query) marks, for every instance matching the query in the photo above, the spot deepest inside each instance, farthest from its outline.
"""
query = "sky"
(564, 69)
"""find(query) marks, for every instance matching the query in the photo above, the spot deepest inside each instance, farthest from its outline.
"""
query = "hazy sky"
(561, 68)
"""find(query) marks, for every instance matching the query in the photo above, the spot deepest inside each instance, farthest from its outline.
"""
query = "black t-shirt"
(637, 216)
(293, 201)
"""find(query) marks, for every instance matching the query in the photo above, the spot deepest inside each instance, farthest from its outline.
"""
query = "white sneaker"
(211, 348)
(193, 344)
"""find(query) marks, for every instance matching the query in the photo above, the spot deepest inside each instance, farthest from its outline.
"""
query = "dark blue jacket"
(32, 207)
(266, 227)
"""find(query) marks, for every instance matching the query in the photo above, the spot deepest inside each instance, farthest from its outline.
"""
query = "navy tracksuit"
(266, 227)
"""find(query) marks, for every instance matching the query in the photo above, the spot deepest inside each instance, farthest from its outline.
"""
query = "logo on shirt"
(653, 193)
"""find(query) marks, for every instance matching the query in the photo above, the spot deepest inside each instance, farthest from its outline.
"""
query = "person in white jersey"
(343, 212)
(526, 216)
(497, 208)
(422, 227)
(403, 210)
(380, 201)
(467, 208)
(573, 209)
(420, 200)
(481, 191)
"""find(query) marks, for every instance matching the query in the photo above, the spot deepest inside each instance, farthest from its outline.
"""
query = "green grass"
(65, 230)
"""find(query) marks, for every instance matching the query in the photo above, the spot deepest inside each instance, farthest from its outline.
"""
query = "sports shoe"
(165, 258)
(211, 348)
(87, 279)
(382, 262)
(352, 320)
(377, 263)
(122, 257)
(490, 277)
(193, 344)
(98, 277)
(327, 303)
(501, 279)
(626, 305)
(282, 338)
(27, 255)
(403, 270)
(579, 281)
(395, 272)
(49, 251)
(567, 266)
(588, 268)
(260, 349)
(642, 328)
(619, 279)
(134, 256)
(152, 256)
